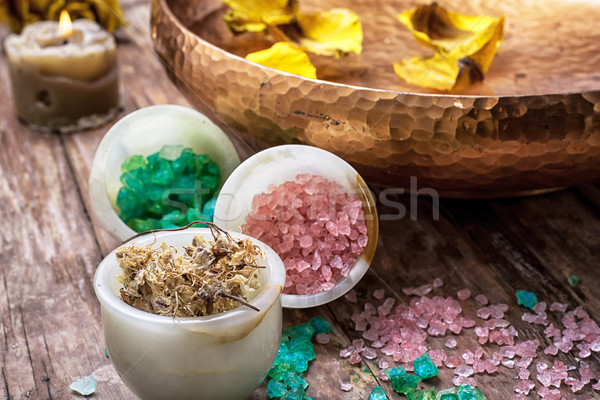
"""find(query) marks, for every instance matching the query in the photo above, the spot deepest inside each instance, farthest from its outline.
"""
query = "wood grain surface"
(51, 331)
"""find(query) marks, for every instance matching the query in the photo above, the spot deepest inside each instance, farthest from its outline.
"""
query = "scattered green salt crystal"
(526, 299)
(106, 352)
(425, 394)
(393, 372)
(467, 392)
(295, 393)
(84, 386)
(294, 353)
(276, 389)
(294, 379)
(305, 329)
(133, 162)
(573, 280)
(424, 367)
(405, 384)
(377, 394)
(447, 396)
(321, 325)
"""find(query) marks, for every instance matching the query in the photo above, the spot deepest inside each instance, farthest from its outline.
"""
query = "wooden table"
(51, 332)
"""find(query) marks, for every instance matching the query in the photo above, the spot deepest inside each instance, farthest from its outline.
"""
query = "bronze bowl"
(532, 125)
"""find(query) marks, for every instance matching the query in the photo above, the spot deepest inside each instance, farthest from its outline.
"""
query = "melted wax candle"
(64, 77)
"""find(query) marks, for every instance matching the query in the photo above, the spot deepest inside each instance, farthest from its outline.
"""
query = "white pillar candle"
(65, 79)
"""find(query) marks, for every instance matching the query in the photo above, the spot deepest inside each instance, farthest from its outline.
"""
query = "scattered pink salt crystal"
(524, 373)
(484, 312)
(369, 353)
(463, 294)
(482, 299)
(382, 375)
(461, 380)
(346, 386)
(379, 293)
(351, 296)
(383, 364)
(585, 373)
(437, 282)
(558, 307)
(450, 343)
(550, 394)
(322, 338)
(575, 384)
(524, 386)
(438, 357)
(345, 353)
(508, 363)
(355, 357)
(453, 362)
(464, 370)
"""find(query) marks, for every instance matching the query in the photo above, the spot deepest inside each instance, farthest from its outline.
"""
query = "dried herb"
(210, 277)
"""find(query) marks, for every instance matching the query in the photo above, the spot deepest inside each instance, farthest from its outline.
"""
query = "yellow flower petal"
(286, 57)
(330, 33)
(256, 15)
(465, 47)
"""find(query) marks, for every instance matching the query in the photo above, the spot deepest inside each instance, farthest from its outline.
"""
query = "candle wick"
(65, 42)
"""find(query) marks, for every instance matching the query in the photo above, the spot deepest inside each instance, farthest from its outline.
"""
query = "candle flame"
(65, 27)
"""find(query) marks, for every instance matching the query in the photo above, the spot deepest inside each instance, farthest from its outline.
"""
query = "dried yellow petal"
(287, 57)
(330, 33)
(19, 13)
(256, 15)
(464, 47)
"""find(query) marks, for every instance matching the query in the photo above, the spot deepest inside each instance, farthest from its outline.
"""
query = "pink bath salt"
(558, 307)
(524, 386)
(450, 343)
(355, 357)
(437, 283)
(322, 338)
(379, 294)
(345, 353)
(369, 353)
(461, 380)
(524, 373)
(463, 294)
(346, 386)
(549, 394)
(383, 364)
(482, 299)
(586, 374)
(438, 357)
(351, 296)
(575, 384)
(453, 362)
(310, 221)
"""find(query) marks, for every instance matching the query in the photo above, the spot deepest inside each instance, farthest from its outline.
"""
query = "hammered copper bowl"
(532, 125)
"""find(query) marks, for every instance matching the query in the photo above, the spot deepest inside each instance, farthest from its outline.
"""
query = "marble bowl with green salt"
(158, 167)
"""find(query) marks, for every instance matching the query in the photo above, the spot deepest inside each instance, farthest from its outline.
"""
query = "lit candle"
(64, 74)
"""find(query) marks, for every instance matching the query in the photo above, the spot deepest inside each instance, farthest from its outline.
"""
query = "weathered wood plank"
(51, 331)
